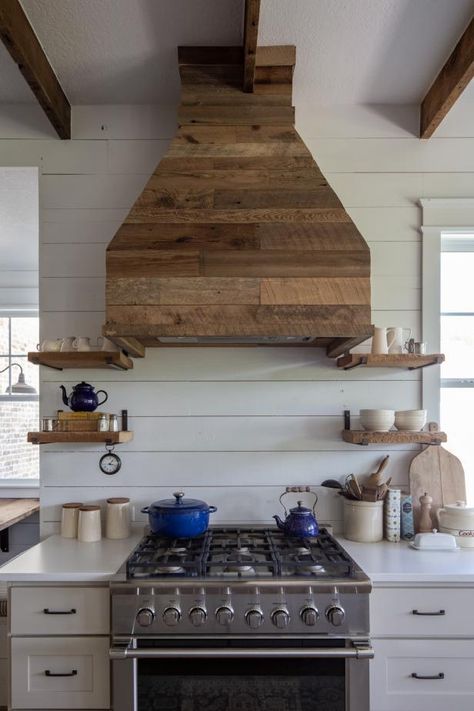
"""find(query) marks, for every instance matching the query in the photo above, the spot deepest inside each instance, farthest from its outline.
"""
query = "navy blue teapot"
(83, 397)
(301, 521)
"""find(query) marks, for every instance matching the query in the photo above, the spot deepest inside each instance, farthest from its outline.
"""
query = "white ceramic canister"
(458, 520)
(89, 527)
(117, 518)
(363, 521)
(69, 519)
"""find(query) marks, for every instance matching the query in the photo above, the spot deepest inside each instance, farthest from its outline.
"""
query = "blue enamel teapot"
(83, 397)
(301, 521)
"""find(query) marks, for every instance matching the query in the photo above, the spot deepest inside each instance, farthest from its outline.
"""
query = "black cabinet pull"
(50, 673)
(427, 676)
(439, 613)
(47, 611)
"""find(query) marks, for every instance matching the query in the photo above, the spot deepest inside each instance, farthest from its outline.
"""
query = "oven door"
(238, 675)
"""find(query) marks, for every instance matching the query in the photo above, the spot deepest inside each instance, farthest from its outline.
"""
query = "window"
(19, 413)
(457, 342)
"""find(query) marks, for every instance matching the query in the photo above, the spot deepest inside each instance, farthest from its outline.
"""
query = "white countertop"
(59, 559)
(68, 560)
(396, 562)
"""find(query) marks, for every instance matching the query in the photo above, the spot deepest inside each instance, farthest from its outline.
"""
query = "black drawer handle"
(427, 676)
(50, 673)
(439, 613)
(47, 611)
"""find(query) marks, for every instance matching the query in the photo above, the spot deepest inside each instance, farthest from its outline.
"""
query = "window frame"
(10, 314)
(453, 216)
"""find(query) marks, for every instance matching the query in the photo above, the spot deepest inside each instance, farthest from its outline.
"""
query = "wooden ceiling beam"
(252, 14)
(20, 39)
(449, 84)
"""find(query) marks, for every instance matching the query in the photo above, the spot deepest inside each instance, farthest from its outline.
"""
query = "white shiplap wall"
(231, 426)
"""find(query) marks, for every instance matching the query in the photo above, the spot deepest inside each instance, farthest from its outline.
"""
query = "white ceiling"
(348, 51)
(19, 219)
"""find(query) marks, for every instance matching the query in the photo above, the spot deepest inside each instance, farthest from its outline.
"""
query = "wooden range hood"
(237, 237)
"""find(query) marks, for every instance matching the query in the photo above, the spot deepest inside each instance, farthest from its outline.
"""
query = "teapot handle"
(105, 398)
(298, 490)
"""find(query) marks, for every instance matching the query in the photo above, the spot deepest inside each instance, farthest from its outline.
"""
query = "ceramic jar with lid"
(89, 529)
(69, 519)
(117, 523)
(363, 521)
(458, 520)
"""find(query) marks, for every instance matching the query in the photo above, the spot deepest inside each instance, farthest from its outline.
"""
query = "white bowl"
(410, 420)
(377, 420)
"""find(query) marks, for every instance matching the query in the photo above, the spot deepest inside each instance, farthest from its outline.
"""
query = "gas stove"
(235, 581)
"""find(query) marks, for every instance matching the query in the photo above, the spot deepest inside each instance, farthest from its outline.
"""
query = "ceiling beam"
(252, 14)
(26, 51)
(449, 84)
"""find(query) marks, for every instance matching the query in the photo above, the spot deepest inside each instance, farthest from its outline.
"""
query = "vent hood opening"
(237, 237)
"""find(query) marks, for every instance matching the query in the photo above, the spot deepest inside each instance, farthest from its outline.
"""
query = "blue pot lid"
(179, 504)
(300, 509)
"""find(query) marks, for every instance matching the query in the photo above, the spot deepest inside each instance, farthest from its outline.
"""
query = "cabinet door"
(421, 612)
(444, 675)
(59, 610)
(58, 673)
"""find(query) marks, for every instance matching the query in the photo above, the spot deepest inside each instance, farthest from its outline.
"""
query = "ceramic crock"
(458, 520)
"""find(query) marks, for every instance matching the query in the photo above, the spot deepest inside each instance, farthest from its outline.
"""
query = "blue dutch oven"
(179, 517)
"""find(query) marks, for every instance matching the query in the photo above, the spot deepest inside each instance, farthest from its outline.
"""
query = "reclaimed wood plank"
(126, 263)
(175, 291)
(156, 215)
(283, 263)
(299, 198)
(251, 18)
(184, 236)
(329, 290)
(243, 115)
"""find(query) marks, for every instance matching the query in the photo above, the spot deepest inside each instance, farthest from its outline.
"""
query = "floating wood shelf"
(81, 359)
(85, 437)
(396, 360)
(365, 437)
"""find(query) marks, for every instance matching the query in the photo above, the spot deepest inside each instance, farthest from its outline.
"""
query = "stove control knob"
(309, 615)
(198, 616)
(254, 618)
(171, 616)
(281, 618)
(145, 617)
(224, 615)
(335, 615)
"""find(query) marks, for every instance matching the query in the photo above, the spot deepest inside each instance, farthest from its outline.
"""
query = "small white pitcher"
(380, 343)
(396, 339)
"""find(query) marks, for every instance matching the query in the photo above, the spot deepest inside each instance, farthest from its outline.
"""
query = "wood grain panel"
(276, 55)
(281, 263)
(303, 178)
(231, 150)
(318, 236)
(184, 236)
(226, 320)
(235, 134)
(176, 199)
(197, 95)
(131, 262)
(251, 18)
(241, 163)
(243, 115)
(331, 290)
(138, 215)
(166, 291)
(247, 199)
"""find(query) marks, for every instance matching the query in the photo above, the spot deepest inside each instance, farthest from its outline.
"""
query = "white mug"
(81, 343)
(380, 343)
(105, 344)
(397, 341)
(89, 527)
(117, 518)
(53, 344)
(67, 344)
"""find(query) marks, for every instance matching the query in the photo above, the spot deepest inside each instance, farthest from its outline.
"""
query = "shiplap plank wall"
(232, 426)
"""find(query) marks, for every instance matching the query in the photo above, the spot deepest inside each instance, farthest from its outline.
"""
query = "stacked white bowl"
(410, 420)
(377, 420)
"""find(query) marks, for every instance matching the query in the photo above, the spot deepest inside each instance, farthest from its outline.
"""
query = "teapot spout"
(279, 523)
(65, 397)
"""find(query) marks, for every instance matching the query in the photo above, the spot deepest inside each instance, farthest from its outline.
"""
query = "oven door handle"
(356, 651)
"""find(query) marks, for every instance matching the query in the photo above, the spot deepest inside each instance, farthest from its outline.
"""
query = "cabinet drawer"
(392, 687)
(418, 612)
(60, 673)
(70, 611)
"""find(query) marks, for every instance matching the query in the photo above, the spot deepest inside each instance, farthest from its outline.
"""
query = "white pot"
(363, 521)
(458, 520)
(377, 420)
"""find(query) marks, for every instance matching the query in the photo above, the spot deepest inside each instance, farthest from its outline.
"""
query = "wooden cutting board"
(440, 474)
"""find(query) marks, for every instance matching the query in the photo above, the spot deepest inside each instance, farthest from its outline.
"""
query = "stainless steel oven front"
(240, 674)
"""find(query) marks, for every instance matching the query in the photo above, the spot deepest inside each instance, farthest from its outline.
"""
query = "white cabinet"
(423, 638)
(52, 667)
(60, 672)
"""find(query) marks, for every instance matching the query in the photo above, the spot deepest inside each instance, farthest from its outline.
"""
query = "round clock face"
(110, 463)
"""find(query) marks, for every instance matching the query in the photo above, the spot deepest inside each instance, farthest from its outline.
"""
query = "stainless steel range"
(241, 618)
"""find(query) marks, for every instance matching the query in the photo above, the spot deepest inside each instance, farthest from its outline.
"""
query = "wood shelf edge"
(84, 437)
(81, 359)
(403, 360)
(366, 437)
